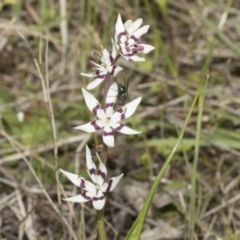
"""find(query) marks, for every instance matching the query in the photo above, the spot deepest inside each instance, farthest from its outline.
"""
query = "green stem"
(195, 164)
(100, 226)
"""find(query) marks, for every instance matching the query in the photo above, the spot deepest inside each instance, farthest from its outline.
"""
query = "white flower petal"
(108, 137)
(119, 25)
(133, 26)
(141, 31)
(130, 108)
(114, 51)
(90, 100)
(106, 57)
(91, 167)
(124, 129)
(114, 42)
(79, 181)
(147, 48)
(111, 184)
(89, 74)
(132, 42)
(117, 70)
(127, 24)
(102, 172)
(94, 83)
(117, 117)
(137, 59)
(92, 126)
(111, 99)
(98, 201)
(85, 197)
(93, 104)
(97, 66)
(126, 58)
(125, 111)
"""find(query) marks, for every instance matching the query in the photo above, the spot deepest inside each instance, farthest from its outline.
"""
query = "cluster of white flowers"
(126, 43)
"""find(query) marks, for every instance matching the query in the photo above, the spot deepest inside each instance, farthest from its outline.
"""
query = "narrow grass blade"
(192, 212)
(135, 231)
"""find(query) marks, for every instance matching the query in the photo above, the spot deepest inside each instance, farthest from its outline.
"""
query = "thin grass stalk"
(52, 121)
(192, 219)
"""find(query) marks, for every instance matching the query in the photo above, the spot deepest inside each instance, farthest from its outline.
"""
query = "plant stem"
(108, 79)
(100, 225)
(106, 86)
(115, 60)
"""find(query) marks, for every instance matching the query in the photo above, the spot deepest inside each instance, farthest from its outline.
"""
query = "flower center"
(107, 120)
(97, 186)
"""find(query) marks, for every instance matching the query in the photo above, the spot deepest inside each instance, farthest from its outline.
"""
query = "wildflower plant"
(109, 115)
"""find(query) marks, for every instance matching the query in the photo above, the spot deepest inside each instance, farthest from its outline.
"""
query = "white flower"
(106, 66)
(127, 38)
(93, 191)
(108, 119)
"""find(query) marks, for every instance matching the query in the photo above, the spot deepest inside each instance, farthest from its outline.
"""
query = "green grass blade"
(135, 231)
(192, 211)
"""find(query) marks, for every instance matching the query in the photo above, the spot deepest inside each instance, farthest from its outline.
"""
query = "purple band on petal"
(135, 39)
(107, 133)
(109, 185)
(100, 76)
(102, 174)
(95, 109)
(120, 110)
(138, 48)
(109, 105)
(98, 198)
(92, 171)
(131, 54)
(94, 124)
(121, 34)
(82, 184)
(84, 195)
(119, 127)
